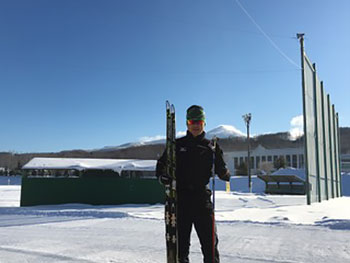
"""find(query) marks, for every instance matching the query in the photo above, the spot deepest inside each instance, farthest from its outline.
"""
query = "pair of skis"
(170, 190)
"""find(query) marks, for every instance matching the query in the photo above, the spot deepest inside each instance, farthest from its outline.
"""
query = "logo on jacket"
(183, 149)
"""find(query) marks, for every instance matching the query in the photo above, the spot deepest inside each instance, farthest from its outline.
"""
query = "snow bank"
(346, 184)
(10, 180)
(240, 184)
(230, 207)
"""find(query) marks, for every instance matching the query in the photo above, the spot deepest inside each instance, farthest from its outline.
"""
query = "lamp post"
(247, 118)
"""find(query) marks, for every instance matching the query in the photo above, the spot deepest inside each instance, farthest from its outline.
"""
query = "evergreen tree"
(242, 169)
(280, 162)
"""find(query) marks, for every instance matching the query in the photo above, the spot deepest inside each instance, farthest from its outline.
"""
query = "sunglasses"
(192, 122)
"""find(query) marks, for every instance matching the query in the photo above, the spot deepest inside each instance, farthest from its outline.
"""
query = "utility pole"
(300, 36)
(247, 118)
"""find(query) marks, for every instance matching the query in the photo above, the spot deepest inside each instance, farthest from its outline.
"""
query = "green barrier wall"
(290, 189)
(90, 190)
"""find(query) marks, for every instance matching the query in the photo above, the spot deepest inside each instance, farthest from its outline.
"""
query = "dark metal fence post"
(247, 118)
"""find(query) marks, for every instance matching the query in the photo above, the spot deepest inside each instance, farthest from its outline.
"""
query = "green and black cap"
(195, 113)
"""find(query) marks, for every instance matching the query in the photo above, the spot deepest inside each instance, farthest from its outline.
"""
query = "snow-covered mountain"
(225, 131)
(221, 131)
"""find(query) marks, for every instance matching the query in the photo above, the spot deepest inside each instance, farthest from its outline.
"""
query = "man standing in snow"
(194, 161)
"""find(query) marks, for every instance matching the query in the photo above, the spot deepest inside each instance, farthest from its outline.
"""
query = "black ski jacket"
(194, 162)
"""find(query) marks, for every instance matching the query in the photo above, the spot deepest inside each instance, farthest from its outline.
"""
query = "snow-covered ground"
(252, 228)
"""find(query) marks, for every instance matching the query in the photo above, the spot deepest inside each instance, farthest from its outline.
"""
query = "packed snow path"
(252, 229)
(141, 240)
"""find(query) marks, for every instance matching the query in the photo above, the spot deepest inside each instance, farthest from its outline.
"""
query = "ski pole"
(213, 188)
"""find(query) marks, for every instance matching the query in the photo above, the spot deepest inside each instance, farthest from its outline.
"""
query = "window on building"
(252, 162)
(236, 162)
(263, 159)
(269, 158)
(301, 161)
(240, 160)
(257, 162)
(275, 157)
(288, 161)
(294, 161)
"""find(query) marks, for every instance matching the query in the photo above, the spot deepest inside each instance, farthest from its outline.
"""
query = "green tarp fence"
(90, 190)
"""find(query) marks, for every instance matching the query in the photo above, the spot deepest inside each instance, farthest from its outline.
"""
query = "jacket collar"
(198, 138)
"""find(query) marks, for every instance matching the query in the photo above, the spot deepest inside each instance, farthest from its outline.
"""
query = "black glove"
(165, 179)
(226, 176)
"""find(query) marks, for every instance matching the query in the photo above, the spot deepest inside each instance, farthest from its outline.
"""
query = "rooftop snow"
(291, 171)
(116, 165)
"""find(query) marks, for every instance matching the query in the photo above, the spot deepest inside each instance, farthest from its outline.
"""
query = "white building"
(294, 157)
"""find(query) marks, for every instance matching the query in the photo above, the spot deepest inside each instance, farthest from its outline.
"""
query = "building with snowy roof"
(285, 181)
(90, 181)
(90, 167)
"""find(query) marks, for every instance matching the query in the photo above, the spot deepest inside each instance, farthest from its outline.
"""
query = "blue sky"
(83, 74)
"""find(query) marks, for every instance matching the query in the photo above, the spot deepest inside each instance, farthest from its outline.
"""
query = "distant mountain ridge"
(153, 149)
(222, 132)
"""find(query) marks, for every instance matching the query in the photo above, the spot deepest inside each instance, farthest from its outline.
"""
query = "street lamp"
(247, 118)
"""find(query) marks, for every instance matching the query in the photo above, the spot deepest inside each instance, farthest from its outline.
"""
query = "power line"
(266, 36)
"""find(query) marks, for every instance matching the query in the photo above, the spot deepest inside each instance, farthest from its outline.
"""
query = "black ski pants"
(195, 209)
